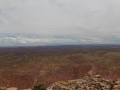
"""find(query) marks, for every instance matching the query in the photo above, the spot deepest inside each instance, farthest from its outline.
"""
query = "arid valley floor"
(23, 67)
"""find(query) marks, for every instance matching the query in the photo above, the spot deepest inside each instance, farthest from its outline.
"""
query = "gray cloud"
(87, 21)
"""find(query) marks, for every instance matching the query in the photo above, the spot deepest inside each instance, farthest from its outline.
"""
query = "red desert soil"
(16, 80)
(46, 77)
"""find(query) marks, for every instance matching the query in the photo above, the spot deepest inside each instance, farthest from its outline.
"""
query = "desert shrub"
(2, 89)
(38, 87)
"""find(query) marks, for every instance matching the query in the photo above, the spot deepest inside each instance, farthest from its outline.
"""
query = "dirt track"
(46, 73)
(44, 76)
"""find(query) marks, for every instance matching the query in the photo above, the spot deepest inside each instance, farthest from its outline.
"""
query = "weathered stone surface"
(87, 83)
(12, 88)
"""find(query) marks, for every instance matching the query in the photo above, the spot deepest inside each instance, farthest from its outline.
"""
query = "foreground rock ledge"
(87, 83)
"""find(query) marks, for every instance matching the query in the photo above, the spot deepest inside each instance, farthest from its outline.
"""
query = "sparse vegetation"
(55, 63)
(38, 87)
(2, 89)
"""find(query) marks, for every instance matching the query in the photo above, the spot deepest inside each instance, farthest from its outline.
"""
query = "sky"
(61, 22)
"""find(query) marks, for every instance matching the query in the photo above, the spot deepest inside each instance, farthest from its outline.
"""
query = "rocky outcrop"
(87, 83)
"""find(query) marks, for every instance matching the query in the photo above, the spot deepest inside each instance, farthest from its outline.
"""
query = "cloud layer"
(78, 21)
(37, 40)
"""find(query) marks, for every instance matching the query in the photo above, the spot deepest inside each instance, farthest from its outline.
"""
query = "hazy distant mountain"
(22, 39)
(29, 39)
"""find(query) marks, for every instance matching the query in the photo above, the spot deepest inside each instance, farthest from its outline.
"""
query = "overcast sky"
(42, 22)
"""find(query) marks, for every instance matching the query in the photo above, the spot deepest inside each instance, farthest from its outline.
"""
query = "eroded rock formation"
(87, 83)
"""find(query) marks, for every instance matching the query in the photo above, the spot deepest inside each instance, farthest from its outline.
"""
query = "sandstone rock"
(12, 88)
(117, 82)
(87, 83)
(97, 76)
